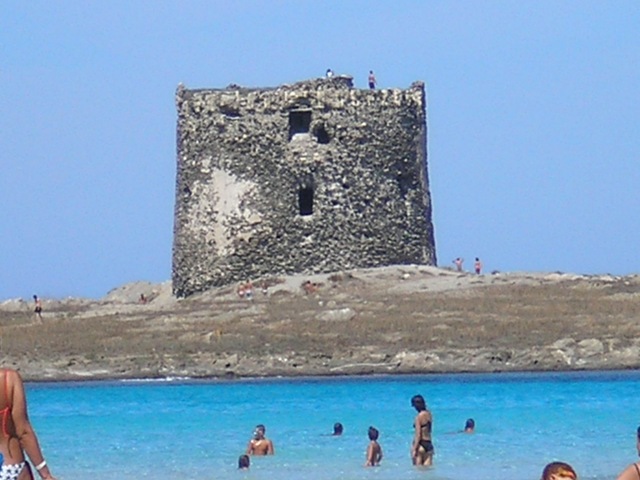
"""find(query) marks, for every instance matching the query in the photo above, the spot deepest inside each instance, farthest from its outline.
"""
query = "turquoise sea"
(197, 429)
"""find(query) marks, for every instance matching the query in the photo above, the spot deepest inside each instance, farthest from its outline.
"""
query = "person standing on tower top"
(372, 80)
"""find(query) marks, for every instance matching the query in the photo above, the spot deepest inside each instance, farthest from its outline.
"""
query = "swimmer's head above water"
(244, 462)
(337, 428)
(469, 425)
(559, 471)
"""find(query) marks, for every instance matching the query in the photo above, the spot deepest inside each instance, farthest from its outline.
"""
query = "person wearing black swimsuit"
(422, 446)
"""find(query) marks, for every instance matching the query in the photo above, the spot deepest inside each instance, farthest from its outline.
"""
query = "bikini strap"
(6, 411)
(637, 469)
(6, 388)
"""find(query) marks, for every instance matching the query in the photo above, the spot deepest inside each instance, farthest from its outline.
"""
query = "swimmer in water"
(422, 447)
(260, 444)
(559, 471)
(374, 450)
(469, 426)
(244, 462)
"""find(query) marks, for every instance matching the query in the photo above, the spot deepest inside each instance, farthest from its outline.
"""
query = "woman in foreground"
(17, 434)
(632, 472)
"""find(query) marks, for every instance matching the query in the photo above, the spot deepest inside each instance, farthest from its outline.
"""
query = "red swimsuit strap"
(6, 411)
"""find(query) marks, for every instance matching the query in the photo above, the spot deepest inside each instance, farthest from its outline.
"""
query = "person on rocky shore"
(248, 290)
(458, 263)
(18, 436)
(37, 306)
(477, 266)
(260, 444)
(422, 447)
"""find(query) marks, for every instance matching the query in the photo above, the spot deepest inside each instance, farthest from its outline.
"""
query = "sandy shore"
(404, 319)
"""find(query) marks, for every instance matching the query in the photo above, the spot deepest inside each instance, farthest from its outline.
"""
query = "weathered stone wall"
(257, 194)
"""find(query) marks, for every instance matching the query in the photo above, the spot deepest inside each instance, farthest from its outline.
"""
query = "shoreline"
(398, 320)
(573, 374)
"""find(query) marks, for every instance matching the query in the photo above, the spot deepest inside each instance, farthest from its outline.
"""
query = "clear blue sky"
(534, 123)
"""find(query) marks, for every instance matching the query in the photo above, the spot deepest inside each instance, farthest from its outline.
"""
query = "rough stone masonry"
(313, 177)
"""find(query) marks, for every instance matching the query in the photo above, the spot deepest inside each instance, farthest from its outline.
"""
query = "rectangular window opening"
(299, 122)
(305, 200)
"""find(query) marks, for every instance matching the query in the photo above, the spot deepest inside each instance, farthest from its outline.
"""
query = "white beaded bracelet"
(40, 466)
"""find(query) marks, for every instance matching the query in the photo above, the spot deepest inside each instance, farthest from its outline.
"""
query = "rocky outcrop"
(405, 319)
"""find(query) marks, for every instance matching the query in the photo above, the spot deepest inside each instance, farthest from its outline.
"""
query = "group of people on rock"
(310, 287)
(245, 290)
(477, 265)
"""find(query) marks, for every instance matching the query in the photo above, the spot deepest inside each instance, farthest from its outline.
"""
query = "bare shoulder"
(629, 473)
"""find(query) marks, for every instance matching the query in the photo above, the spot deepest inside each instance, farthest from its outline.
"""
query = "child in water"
(244, 462)
(374, 450)
(559, 471)
(469, 426)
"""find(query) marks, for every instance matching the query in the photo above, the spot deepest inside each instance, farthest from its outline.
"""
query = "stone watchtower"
(312, 177)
